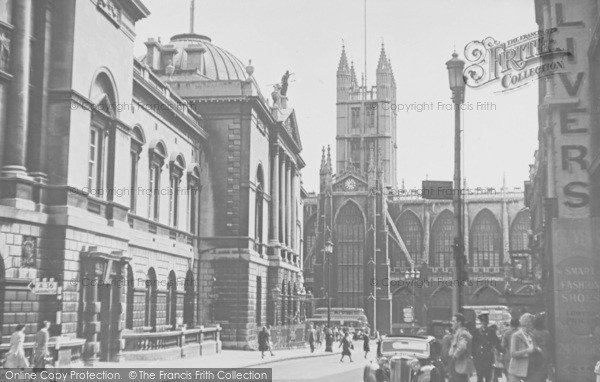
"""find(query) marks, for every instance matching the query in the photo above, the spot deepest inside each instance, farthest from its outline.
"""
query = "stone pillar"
(505, 233)
(275, 196)
(92, 309)
(36, 152)
(15, 139)
(282, 227)
(426, 235)
(118, 307)
(288, 204)
(294, 240)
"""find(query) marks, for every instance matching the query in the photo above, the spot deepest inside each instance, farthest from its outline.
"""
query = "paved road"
(321, 369)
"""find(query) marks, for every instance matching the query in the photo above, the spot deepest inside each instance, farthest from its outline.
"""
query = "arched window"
(177, 166)
(194, 188)
(485, 240)
(172, 301)
(101, 142)
(189, 304)
(442, 240)
(137, 141)
(519, 244)
(411, 231)
(349, 249)
(151, 297)
(158, 154)
(310, 240)
(130, 298)
(258, 208)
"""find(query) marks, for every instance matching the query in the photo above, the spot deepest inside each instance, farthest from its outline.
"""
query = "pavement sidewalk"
(226, 359)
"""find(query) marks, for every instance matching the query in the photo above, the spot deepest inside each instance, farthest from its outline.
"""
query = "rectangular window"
(154, 192)
(95, 162)
(355, 152)
(134, 170)
(173, 201)
(355, 118)
(371, 114)
(258, 301)
(193, 192)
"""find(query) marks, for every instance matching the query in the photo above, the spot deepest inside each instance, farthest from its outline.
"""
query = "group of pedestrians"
(521, 352)
(16, 357)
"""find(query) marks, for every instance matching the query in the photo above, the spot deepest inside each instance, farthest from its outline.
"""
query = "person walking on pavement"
(40, 348)
(311, 338)
(346, 345)
(461, 359)
(538, 361)
(366, 344)
(319, 335)
(15, 358)
(522, 346)
(263, 341)
(505, 344)
(446, 343)
(485, 341)
(328, 339)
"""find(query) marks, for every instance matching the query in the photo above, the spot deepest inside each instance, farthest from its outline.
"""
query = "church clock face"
(350, 184)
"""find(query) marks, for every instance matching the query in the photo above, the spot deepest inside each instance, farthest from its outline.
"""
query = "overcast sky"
(306, 37)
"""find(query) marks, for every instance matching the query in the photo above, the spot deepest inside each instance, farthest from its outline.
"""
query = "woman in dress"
(346, 345)
(522, 345)
(366, 346)
(15, 358)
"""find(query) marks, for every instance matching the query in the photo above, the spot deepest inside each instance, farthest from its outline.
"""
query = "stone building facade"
(151, 211)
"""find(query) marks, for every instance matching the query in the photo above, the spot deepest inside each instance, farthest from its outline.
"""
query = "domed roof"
(197, 52)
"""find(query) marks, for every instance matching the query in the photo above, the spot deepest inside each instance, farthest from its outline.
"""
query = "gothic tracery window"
(486, 240)
(442, 240)
(349, 248)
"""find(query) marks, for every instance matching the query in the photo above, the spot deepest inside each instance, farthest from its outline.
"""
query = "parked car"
(398, 353)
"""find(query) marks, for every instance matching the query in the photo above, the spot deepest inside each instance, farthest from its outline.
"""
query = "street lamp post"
(328, 253)
(457, 85)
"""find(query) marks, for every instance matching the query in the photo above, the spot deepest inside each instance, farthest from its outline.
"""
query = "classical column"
(294, 174)
(117, 309)
(282, 227)
(36, 152)
(92, 309)
(275, 195)
(288, 203)
(18, 92)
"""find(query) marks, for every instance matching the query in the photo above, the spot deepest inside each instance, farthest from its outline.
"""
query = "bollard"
(597, 371)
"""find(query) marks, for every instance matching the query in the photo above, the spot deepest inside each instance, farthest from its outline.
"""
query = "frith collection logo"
(514, 63)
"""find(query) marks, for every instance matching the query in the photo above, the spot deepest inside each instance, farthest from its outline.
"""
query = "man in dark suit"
(40, 348)
(311, 338)
(485, 341)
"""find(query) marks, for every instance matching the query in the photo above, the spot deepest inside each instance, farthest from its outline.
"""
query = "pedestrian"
(319, 334)
(366, 345)
(461, 359)
(40, 348)
(328, 339)
(269, 340)
(311, 338)
(538, 361)
(485, 341)
(378, 341)
(15, 358)
(498, 366)
(446, 342)
(522, 345)
(263, 341)
(505, 344)
(346, 345)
